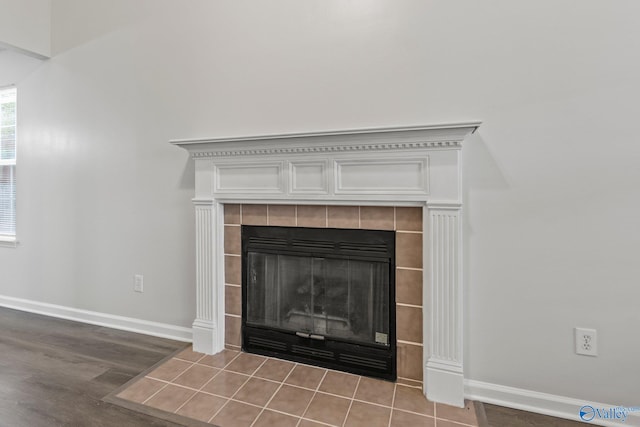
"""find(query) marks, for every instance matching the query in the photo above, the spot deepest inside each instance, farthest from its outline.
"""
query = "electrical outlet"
(138, 282)
(586, 341)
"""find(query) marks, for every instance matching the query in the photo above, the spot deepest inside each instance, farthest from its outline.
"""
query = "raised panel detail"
(402, 175)
(308, 177)
(249, 178)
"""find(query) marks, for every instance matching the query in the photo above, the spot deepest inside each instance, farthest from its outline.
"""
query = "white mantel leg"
(444, 370)
(208, 327)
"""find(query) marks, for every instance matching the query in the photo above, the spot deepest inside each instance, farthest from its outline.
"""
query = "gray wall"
(550, 181)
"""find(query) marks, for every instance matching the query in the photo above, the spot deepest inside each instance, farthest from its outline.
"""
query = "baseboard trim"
(541, 403)
(156, 329)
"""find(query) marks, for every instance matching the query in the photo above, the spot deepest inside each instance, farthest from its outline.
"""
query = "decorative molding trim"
(327, 149)
(541, 403)
(445, 298)
(354, 140)
(140, 326)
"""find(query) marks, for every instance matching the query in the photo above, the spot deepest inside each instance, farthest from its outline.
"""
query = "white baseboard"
(140, 326)
(542, 403)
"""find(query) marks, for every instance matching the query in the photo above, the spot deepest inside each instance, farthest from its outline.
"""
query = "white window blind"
(8, 162)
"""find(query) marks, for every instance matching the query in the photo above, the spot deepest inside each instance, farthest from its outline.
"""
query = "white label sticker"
(382, 338)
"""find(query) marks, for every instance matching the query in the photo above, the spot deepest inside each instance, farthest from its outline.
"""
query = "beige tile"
(309, 423)
(376, 217)
(328, 409)
(232, 330)
(273, 419)
(233, 300)
(232, 240)
(408, 219)
(466, 415)
(141, 390)
(246, 363)
(282, 215)
(312, 216)
(410, 383)
(306, 376)
(291, 400)
(409, 250)
(256, 391)
(170, 398)
(409, 286)
(254, 214)
(201, 407)
(343, 216)
(219, 360)
(410, 361)
(169, 370)
(405, 419)
(236, 414)
(189, 355)
(339, 383)
(411, 399)
(366, 415)
(375, 391)
(231, 214)
(276, 370)
(196, 376)
(225, 384)
(409, 323)
(446, 423)
(232, 270)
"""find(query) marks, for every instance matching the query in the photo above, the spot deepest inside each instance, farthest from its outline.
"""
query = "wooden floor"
(55, 372)
(498, 416)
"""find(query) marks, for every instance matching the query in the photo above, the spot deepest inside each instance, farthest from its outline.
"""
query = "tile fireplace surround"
(402, 179)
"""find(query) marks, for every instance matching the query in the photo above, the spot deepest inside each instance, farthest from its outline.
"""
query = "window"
(8, 164)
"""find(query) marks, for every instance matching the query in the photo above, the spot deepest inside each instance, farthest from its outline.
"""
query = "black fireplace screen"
(321, 294)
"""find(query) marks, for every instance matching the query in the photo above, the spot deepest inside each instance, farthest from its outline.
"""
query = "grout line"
(295, 214)
(326, 216)
(395, 221)
(313, 397)
(274, 394)
(239, 388)
(233, 255)
(232, 225)
(359, 217)
(409, 268)
(401, 304)
(393, 400)
(410, 343)
(353, 396)
(150, 397)
(234, 285)
(409, 232)
(268, 214)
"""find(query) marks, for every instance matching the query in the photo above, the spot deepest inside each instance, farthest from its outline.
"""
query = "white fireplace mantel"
(409, 166)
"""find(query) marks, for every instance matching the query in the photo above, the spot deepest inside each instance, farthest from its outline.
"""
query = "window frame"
(10, 240)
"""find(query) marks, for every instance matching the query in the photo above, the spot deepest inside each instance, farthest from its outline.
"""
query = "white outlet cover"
(586, 341)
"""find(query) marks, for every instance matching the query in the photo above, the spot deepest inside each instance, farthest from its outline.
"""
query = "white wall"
(550, 189)
(26, 25)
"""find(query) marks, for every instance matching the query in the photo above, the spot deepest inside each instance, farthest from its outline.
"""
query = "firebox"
(320, 296)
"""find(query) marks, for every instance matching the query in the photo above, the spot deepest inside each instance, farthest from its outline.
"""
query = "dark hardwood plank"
(499, 416)
(55, 372)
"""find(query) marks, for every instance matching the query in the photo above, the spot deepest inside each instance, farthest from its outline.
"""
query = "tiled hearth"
(406, 221)
(236, 389)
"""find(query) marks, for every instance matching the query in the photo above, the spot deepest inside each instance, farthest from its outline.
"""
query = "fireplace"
(321, 296)
(392, 169)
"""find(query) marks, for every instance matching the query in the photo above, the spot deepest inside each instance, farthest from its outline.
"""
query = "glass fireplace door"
(344, 299)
